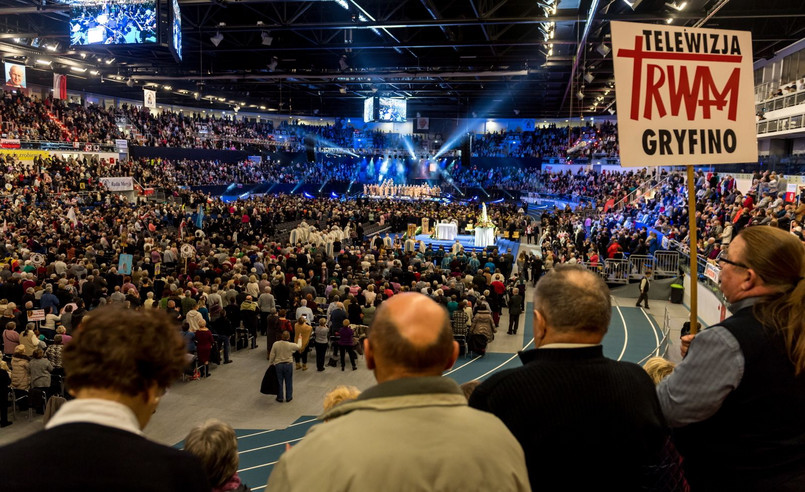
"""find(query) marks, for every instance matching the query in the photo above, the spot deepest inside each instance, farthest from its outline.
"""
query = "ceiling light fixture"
(677, 6)
(41, 61)
(603, 49)
(267, 39)
(78, 69)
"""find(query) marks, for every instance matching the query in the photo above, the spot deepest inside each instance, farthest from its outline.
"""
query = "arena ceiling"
(449, 58)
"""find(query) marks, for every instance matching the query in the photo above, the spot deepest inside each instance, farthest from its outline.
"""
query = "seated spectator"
(214, 443)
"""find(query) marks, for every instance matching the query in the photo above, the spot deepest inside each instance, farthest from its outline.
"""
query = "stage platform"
(468, 242)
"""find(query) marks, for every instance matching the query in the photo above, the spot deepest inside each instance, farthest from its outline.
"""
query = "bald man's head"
(411, 336)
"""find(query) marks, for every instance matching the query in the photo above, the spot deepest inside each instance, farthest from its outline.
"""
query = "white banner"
(684, 95)
(123, 183)
(149, 98)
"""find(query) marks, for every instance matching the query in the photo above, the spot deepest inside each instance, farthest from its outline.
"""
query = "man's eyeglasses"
(723, 259)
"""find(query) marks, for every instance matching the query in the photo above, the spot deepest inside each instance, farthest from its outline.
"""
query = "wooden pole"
(694, 270)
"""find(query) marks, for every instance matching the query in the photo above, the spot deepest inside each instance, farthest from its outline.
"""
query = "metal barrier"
(616, 271)
(666, 263)
(596, 268)
(665, 342)
(638, 264)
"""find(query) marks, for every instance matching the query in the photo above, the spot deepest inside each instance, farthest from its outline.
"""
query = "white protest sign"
(684, 95)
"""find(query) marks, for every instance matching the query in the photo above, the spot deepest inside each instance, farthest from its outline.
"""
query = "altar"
(446, 231)
(484, 230)
(484, 236)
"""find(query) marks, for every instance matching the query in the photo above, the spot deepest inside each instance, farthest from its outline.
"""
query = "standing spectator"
(644, 286)
(409, 347)
(736, 400)
(117, 390)
(322, 339)
(10, 338)
(20, 370)
(5, 385)
(282, 357)
(204, 347)
(545, 402)
(267, 306)
(248, 314)
(346, 343)
(516, 307)
(302, 329)
(303, 309)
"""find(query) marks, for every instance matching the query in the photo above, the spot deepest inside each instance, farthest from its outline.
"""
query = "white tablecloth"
(484, 236)
(446, 231)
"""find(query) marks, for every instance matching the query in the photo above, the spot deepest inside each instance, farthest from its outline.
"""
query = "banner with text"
(684, 95)
(122, 183)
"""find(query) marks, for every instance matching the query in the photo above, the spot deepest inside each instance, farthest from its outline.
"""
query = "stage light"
(109, 61)
(216, 40)
(589, 77)
(342, 63)
(580, 95)
(343, 3)
(267, 39)
(678, 7)
(611, 111)
(41, 61)
(633, 4)
(603, 49)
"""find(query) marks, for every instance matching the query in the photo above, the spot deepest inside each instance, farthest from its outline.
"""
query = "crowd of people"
(32, 119)
(302, 273)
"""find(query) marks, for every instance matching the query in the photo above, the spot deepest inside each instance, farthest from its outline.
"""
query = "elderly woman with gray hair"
(214, 443)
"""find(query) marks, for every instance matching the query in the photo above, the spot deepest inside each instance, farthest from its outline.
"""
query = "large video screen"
(113, 22)
(369, 109)
(176, 29)
(393, 110)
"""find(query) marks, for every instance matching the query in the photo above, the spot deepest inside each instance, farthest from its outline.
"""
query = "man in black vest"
(737, 399)
(585, 422)
(644, 286)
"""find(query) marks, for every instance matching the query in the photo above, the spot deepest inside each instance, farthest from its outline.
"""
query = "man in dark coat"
(547, 402)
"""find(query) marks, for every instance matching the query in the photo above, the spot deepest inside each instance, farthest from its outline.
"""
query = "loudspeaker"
(310, 148)
(466, 151)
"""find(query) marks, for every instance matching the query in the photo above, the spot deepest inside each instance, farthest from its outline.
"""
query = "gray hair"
(571, 298)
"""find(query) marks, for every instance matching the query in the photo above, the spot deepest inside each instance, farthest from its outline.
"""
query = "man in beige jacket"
(413, 430)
